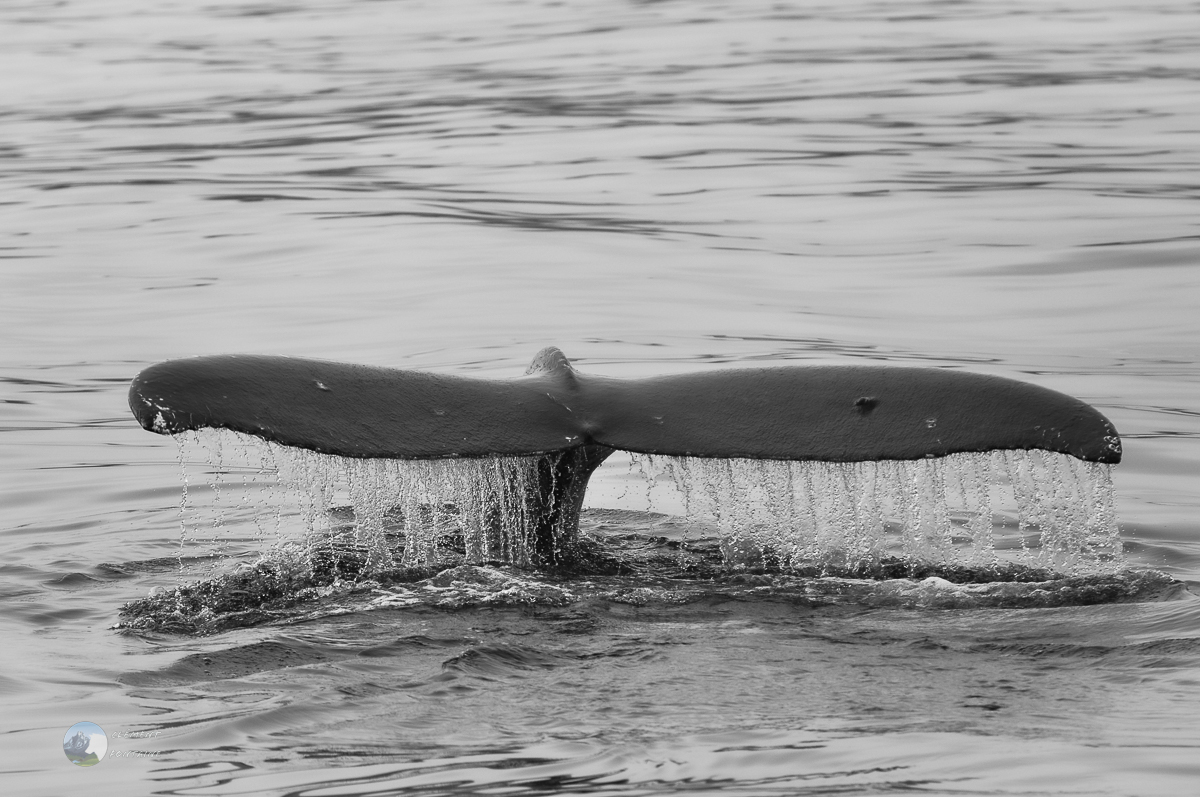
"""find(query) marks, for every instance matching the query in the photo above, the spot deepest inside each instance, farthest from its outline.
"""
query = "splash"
(1034, 509)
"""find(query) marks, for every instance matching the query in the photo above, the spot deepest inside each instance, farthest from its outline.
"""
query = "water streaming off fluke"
(1010, 529)
(1035, 508)
(972, 510)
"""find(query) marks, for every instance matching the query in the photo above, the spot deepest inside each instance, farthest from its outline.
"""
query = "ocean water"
(655, 187)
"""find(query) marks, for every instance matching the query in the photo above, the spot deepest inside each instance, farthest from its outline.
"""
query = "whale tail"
(833, 413)
(573, 421)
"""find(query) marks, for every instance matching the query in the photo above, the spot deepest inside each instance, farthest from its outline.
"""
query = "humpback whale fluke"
(834, 413)
(573, 421)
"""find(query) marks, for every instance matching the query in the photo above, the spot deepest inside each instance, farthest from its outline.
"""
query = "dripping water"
(976, 510)
(1035, 508)
(383, 513)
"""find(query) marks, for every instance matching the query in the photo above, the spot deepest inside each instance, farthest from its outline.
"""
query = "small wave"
(502, 660)
(235, 662)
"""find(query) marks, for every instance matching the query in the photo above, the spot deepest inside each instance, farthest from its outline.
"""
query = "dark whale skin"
(831, 413)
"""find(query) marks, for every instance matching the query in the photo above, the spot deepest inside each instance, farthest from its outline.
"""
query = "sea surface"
(1010, 188)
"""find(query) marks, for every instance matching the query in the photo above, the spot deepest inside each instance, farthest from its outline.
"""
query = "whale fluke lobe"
(573, 421)
(352, 410)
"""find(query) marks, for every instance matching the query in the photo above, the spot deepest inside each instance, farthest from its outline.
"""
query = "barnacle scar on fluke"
(568, 422)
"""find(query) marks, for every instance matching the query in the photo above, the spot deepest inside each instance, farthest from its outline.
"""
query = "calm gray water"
(1009, 187)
